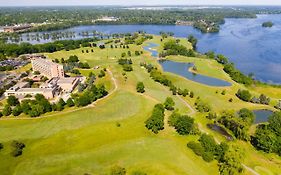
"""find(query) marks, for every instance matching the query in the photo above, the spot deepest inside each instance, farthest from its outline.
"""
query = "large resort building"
(56, 84)
(47, 68)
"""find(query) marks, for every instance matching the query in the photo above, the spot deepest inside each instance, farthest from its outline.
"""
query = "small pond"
(262, 115)
(220, 130)
(182, 69)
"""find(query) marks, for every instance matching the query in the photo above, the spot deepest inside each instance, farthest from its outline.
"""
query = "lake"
(251, 47)
(182, 69)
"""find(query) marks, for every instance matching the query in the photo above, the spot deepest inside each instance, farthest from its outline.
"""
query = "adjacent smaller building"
(48, 89)
(22, 89)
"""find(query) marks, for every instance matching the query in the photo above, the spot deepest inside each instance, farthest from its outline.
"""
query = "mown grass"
(90, 140)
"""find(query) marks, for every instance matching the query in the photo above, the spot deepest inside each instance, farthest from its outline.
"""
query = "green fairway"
(112, 131)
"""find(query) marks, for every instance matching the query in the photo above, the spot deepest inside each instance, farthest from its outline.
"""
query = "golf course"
(112, 132)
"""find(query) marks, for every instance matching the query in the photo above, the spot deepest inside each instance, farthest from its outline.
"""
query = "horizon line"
(145, 5)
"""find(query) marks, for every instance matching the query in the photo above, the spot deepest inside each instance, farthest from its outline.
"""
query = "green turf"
(88, 140)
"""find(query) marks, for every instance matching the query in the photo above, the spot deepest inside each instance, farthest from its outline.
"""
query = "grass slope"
(89, 140)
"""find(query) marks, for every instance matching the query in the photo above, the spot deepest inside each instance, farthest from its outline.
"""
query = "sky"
(135, 2)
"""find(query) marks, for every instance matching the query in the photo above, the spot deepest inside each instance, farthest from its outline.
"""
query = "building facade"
(47, 68)
(18, 28)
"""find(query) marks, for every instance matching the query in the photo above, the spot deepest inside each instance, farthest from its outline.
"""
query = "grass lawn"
(112, 132)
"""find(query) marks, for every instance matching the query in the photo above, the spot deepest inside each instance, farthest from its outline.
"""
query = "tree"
(244, 95)
(275, 123)
(7, 110)
(117, 170)
(101, 74)
(231, 162)
(17, 110)
(123, 54)
(70, 102)
(208, 142)
(202, 106)
(191, 94)
(264, 99)
(25, 106)
(193, 41)
(73, 59)
(137, 53)
(182, 123)
(60, 105)
(140, 87)
(12, 100)
(247, 115)
(222, 59)
(155, 122)
(197, 148)
(169, 104)
(17, 148)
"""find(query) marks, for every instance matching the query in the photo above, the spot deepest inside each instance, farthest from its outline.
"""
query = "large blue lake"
(251, 47)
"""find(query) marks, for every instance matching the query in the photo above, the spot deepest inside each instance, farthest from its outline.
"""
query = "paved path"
(250, 169)
(192, 111)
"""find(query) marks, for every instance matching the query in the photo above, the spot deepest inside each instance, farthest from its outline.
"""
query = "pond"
(220, 130)
(182, 69)
(253, 48)
(262, 115)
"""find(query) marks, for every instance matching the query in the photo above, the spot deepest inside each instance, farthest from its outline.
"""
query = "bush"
(127, 68)
(208, 157)
(182, 123)
(17, 148)
(197, 148)
(244, 95)
(202, 106)
(117, 170)
(138, 173)
(7, 110)
(17, 110)
(12, 100)
(191, 94)
(140, 87)
(101, 74)
(169, 104)
(70, 102)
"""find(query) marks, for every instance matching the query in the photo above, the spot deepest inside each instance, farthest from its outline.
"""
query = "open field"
(90, 140)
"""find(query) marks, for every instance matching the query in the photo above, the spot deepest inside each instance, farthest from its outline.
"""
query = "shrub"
(196, 148)
(7, 110)
(12, 100)
(169, 104)
(117, 170)
(138, 173)
(17, 148)
(140, 87)
(70, 102)
(244, 95)
(207, 156)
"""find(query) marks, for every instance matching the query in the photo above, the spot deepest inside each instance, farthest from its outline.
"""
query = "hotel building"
(47, 68)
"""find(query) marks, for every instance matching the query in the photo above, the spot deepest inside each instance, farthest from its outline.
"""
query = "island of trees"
(267, 24)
